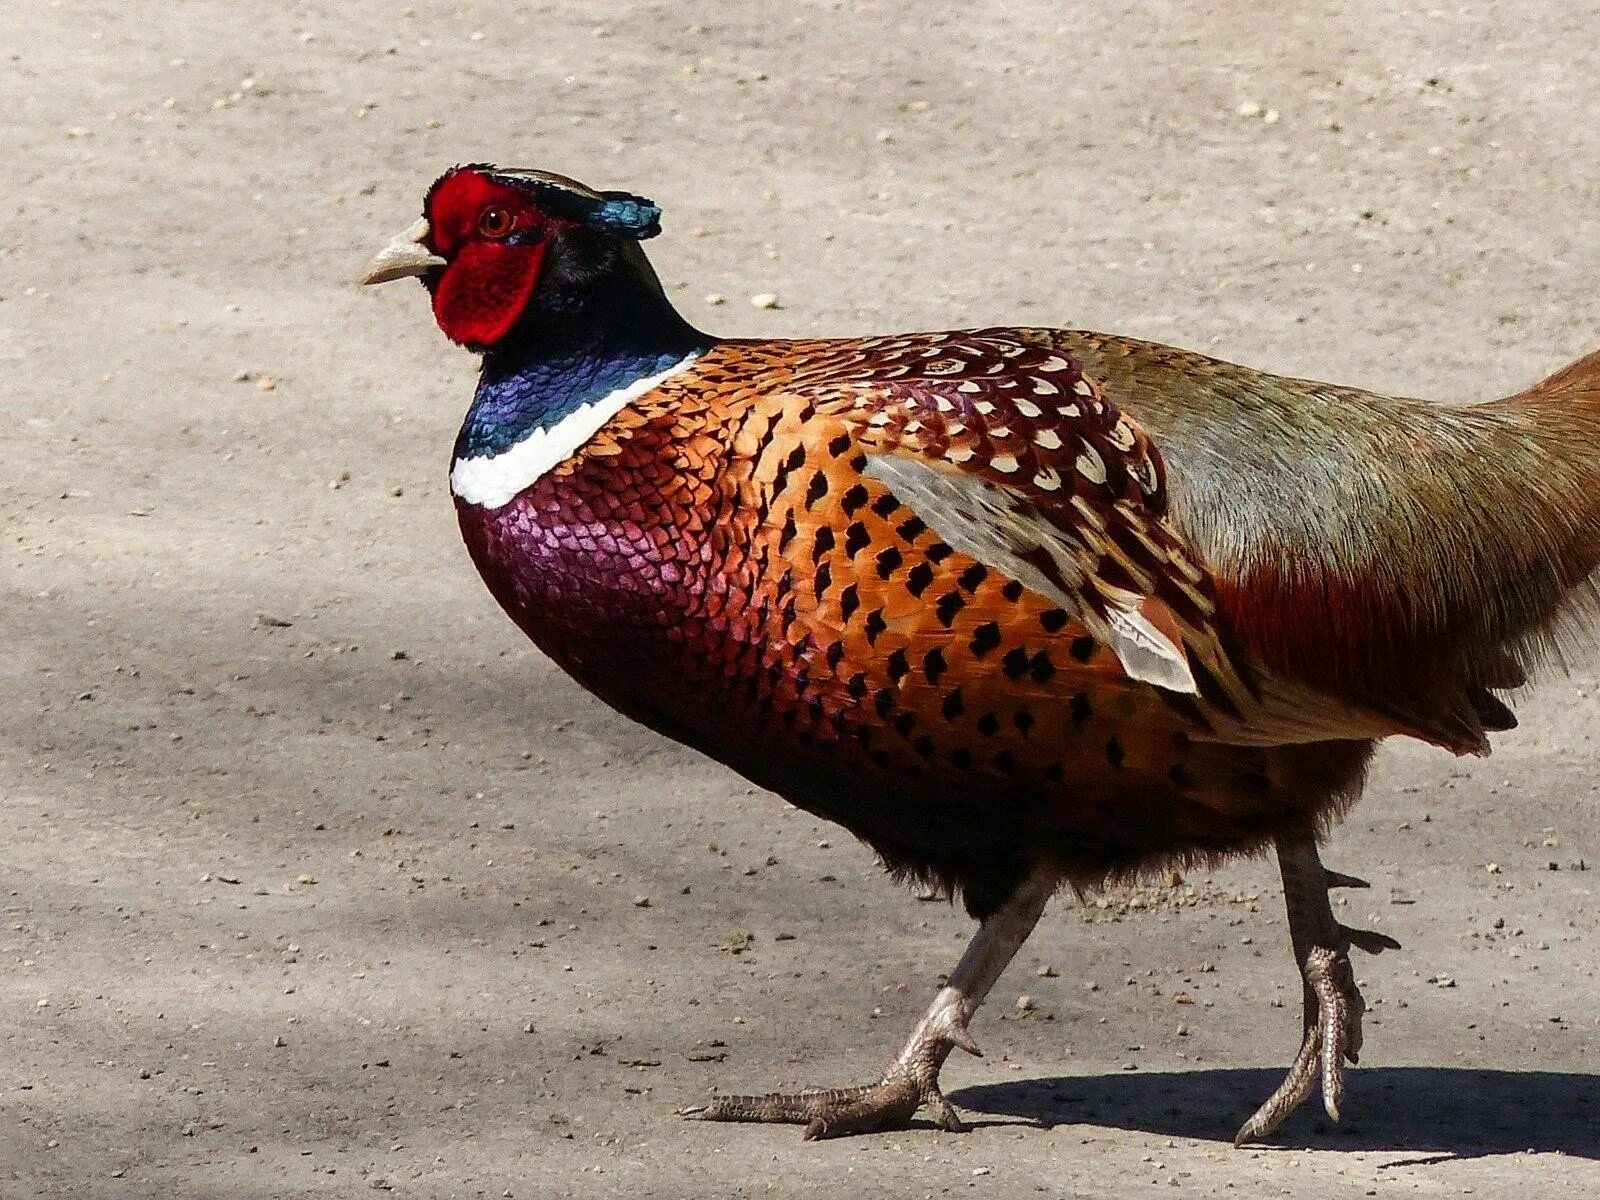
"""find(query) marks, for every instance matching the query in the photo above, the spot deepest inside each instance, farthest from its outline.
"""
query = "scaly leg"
(913, 1079)
(1332, 1002)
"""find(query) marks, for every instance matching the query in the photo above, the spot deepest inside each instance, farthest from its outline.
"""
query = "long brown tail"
(1472, 565)
(1556, 469)
(1405, 556)
(1501, 521)
(1575, 383)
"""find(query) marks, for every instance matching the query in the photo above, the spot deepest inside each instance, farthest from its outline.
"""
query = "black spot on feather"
(856, 538)
(875, 625)
(1080, 708)
(949, 605)
(918, 579)
(985, 638)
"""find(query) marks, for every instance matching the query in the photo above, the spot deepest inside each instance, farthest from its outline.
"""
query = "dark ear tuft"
(622, 213)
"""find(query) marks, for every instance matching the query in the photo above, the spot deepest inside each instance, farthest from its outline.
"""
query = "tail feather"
(1399, 556)
(1577, 382)
(1525, 522)
(1559, 418)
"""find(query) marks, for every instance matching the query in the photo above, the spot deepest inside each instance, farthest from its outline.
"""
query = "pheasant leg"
(912, 1080)
(1332, 1006)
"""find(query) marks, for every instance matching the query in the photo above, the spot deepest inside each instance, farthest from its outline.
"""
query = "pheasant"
(1022, 609)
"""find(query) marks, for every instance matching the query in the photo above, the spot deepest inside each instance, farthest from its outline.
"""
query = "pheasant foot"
(1332, 1006)
(912, 1082)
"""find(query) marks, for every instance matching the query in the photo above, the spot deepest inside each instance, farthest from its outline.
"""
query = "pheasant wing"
(1006, 529)
(1014, 456)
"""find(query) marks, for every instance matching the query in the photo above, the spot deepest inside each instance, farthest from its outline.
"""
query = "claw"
(960, 1038)
(1369, 940)
(1338, 879)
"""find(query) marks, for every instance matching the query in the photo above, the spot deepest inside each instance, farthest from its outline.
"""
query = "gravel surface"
(320, 880)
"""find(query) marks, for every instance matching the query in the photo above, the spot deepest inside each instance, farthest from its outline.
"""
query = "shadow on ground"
(1451, 1113)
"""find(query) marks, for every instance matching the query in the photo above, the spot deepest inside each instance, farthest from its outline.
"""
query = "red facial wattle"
(484, 290)
(489, 279)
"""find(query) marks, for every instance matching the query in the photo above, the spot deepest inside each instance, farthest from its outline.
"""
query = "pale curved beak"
(407, 255)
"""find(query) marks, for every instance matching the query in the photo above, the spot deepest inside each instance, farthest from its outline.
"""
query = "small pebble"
(764, 300)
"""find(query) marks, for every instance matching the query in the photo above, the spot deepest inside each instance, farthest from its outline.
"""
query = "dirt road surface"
(319, 880)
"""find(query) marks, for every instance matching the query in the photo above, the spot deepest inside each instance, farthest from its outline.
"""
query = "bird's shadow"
(1442, 1112)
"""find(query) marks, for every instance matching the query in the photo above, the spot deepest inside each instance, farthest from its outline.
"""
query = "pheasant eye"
(495, 222)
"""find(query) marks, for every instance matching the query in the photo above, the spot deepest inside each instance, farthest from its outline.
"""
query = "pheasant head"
(498, 247)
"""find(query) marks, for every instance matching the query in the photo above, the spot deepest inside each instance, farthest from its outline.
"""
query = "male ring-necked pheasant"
(1020, 608)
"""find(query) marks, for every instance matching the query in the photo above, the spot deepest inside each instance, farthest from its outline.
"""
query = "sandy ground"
(318, 879)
